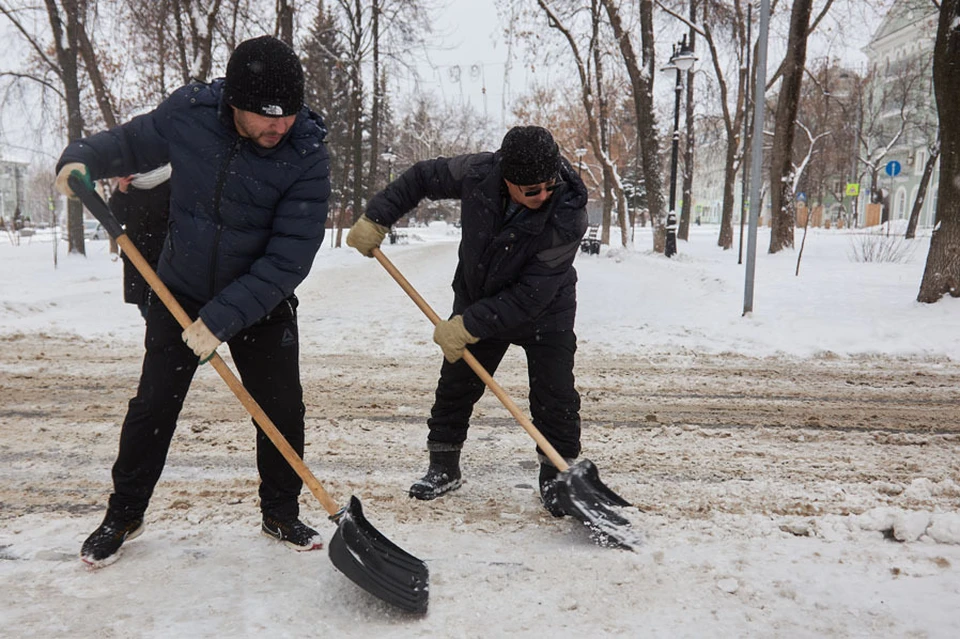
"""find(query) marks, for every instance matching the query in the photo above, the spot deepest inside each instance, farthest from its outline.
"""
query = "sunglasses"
(534, 192)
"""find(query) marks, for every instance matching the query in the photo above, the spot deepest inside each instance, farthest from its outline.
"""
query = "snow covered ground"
(797, 469)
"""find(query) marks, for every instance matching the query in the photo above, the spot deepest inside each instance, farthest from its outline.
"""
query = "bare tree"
(782, 202)
(65, 21)
(683, 230)
(723, 27)
(285, 15)
(942, 271)
(926, 130)
(825, 110)
(591, 82)
(933, 154)
(640, 70)
(195, 25)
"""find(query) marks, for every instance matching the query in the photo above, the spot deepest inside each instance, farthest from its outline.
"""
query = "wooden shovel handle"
(477, 367)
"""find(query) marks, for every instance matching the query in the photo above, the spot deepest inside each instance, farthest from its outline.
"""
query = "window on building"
(920, 162)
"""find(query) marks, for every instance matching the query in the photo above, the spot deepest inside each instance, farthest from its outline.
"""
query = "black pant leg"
(554, 400)
(267, 356)
(168, 368)
(458, 390)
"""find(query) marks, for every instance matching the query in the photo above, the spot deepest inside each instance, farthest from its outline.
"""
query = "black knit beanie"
(528, 155)
(264, 76)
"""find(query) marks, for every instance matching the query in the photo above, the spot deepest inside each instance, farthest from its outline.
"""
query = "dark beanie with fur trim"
(264, 76)
(529, 155)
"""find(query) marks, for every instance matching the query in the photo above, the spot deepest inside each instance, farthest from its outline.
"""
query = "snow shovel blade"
(376, 564)
(582, 495)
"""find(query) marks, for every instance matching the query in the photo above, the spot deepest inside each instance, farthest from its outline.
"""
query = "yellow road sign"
(853, 189)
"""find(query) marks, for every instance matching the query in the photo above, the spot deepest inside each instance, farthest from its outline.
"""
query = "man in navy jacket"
(249, 190)
(522, 218)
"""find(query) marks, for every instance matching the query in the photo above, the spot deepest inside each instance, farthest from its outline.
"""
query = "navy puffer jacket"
(245, 222)
(513, 279)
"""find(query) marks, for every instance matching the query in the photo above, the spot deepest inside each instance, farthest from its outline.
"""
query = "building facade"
(900, 56)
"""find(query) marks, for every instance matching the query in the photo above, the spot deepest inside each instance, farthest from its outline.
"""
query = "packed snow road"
(798, 492)
(679, 435)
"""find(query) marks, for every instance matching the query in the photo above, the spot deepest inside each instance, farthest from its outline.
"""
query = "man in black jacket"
(522, 218)
(141, 202)
(249, 190)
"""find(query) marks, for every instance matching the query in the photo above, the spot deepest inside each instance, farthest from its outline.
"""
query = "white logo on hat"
(272, 109)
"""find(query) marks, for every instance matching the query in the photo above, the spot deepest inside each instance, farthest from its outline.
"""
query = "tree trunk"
(781, 161)
(284, 28)
(942, 272)
(641, 80)
(922, 190)
(725, 240)
(732, 119)
(376, 107)
(683, 231)
(592, 109)
(96, 78)
(67, 50)
(603, 125)
(181, 43)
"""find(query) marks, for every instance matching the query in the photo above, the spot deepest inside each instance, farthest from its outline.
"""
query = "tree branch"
(680, 17)
(37, 79)
(39, 50)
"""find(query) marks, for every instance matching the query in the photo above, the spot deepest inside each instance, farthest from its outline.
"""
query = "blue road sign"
(893, 168)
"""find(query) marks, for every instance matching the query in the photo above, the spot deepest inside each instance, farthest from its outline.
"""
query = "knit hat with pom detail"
(264, 76)
(529, 155)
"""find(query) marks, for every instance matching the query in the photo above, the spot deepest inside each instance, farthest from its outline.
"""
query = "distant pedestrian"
(141, 202)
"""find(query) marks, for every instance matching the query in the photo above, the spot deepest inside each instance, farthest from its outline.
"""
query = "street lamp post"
(580, 153)
(388, 156)
(681, 61)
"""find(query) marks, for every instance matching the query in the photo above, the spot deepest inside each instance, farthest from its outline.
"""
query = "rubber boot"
(442, 476)
(548, 489)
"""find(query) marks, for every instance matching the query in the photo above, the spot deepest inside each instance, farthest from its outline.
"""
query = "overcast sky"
(469, 63)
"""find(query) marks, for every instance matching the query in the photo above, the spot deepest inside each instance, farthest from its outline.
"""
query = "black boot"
(292, 532)
(442, 476)
(101, 547)
(548, 489)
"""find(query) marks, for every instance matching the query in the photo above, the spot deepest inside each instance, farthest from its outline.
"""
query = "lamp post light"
(388, 156)
(580, 153)
(681, 61)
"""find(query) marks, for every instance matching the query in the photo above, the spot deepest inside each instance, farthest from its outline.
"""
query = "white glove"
(64, 175)
(200, 340)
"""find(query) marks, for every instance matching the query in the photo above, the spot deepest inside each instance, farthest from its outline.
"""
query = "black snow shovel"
(357, 549)
(580, 492)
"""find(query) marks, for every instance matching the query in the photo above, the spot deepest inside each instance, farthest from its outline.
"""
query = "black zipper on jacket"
(217, 196)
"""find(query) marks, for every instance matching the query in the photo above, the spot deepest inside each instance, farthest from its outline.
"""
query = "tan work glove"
(64, 174)
(200, 340)
(453, 338)
(366, 235)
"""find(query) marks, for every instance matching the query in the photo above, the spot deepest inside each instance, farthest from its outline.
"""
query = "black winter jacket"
(513, 279)
(245, 222)
(143, 213)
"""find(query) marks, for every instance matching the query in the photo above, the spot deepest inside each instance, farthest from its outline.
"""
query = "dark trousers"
(554, 401)
(266, 355)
